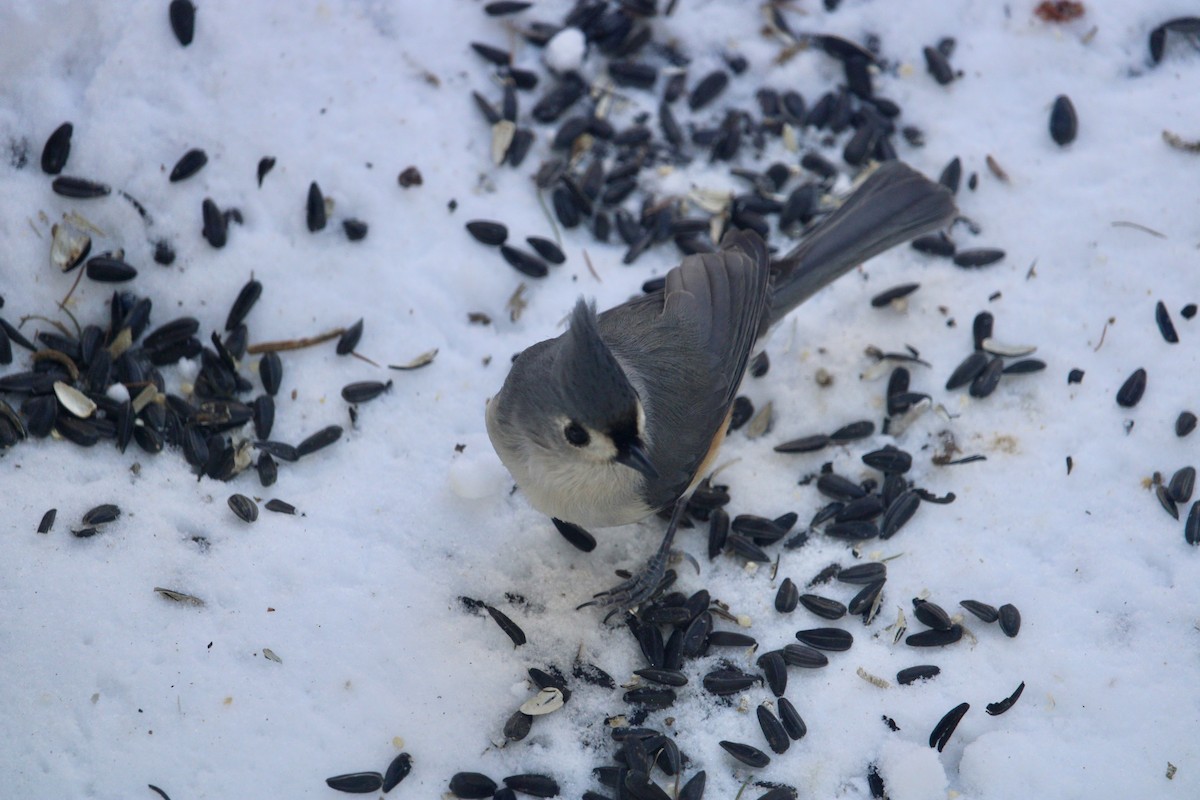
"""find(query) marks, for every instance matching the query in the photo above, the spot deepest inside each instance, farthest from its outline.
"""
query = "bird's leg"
(643, 584)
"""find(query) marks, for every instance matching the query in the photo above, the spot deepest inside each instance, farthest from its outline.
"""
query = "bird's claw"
(640, 587)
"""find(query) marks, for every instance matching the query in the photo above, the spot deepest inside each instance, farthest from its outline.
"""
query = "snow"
(110, 687)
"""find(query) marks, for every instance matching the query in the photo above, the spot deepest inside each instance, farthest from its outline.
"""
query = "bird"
(620, 417)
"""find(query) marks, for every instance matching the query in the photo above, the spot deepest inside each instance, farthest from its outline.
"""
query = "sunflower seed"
(750, 756)
(1165, 326)
(265, 165)
(855, 430)
(1132, 390)
(216, 229)
(952, 175)
(839, 488)
(1181, 485)
(695, 636)
(183, 20)
(179, 597)
(1010, 620)
(525, 263)
(245, 508)
(774, 667)
(68, 247)
(493, 54)
(188, 165)
(707, 89)
(865, 601)
(910, 675)
(936, 244)
(938, 66)
(397, 771)
(822, 606)
(864, 573)
(74, 401)
(787, 597)
(546, 701)
(57, 149)
(280, 507)
(363, 391)
(665, 677)
(889, 296)
(946, 725)
(996, 709)
(1191, 528)
(931, 614)
(510, 628)
(47, 521)
(798, 655)
(935, 638)
(723, 682)
(1064, 124)
(101, 514)
(1185, 423)
(830, 639)
(356, 782)
(79, 188)
(806, 444)
(988, 379)
(650, 698)
(472, 785)
(978, 257)
(773, 731)
(984, 611)
(315, 214)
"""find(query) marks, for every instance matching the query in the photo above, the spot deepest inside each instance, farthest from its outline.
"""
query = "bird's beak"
(633, 455)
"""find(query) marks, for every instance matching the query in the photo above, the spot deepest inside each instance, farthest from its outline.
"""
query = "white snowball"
(564, 51)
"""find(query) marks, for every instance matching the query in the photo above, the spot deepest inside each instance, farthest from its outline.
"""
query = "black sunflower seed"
(978, 257)
(853, 530)
(1165, 326)
(1010, 620)
(1191, 528)
(890, 459)
(855, 430)
(723, 682)
(665, 677)
(314, 208)
(695, 636)
(1025, 366)
(245, 508)
(47, 521)
(107, 269)
(79, 188)
(774, 667)
(350, 338)
(472, 785)
(525, 263)
(363, 391)
(1185, 423)
(984, 611)
(862, 509)
(517, 726)
(718, 532)
(986, 381)
(931, 614)
(495, 55)
(887, 296)
(773, 731)
(805, 444)
(867, 572)
(787, 597)
(946, 725)
(356, 229)
(268, 470)
(730, 639)
(935, 638)
(1132, 390)
(182, 14)
(864, 601)
(265, 165)
(631, 73)
(578, 536)
(1188, 311)
(1064, 123)
(996, 709)
(839, 488)
(57, 149)
(270, 372)
(746, 548)
(561, 97)
(1181, 485)
(823, 606)
(707, 89)
(750, 756)
(951, 175)
(546, 249)
(743, 410)
(263, 414)
(910, 675)
(322, 438)
(355, 782)
(280, 506)
(188, 165)
(510, 628)
(762, 530)
(799, 655)
(397, 771)
(84, 533)
(245, 301)
(216, 228)
(650, 698)
(938, 65)
(833, 640)
(936, 244)
(898, 513)
(101, 514)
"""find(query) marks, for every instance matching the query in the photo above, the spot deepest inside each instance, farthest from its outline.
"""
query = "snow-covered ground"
(107, 686)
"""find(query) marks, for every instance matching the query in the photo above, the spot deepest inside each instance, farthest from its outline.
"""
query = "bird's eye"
(576, 434)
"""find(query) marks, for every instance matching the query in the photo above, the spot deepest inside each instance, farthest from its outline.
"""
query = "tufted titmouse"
(621, 415)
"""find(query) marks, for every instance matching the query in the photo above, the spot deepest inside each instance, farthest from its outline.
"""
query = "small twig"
(1100, 344)
(1032, 271)
(48, 321)
(78, 277)
(541, 198)
(588, 260)
(294, 344)
(361, 357)
(1179, 143)
(61, 358)
(1136, 226)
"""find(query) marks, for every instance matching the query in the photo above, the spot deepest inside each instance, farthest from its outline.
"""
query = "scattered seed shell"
(910, 675)
(996, 709)
(946, 725)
